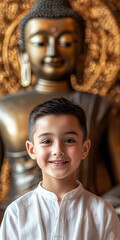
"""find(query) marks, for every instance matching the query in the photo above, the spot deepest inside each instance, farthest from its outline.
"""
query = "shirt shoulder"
(96, 202)
(100, 208)
(22, 203)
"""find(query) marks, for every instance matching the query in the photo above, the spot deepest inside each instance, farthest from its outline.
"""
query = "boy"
(59, 208)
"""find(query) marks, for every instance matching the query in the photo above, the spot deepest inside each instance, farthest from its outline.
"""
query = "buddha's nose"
(52, 48)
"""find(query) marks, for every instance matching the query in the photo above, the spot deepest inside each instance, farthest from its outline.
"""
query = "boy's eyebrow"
(45, 134)
(65, 133)
(71, 132)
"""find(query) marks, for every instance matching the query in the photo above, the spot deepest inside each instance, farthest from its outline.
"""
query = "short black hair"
(57, 106)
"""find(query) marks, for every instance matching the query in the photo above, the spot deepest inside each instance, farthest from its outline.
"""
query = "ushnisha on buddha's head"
(52, 39)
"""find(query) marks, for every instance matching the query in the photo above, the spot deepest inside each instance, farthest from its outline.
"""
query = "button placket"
(58, 233)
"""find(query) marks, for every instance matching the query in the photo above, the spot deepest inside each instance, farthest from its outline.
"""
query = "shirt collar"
(52, 196)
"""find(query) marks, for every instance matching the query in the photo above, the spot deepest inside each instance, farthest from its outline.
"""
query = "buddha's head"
(52, 39)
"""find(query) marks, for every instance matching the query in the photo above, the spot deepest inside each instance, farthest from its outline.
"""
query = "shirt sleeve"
(9, 226)
(112, 228)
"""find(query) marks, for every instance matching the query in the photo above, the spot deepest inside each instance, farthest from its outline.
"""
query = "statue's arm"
(114, 143)
(1, 153)
(2, 121)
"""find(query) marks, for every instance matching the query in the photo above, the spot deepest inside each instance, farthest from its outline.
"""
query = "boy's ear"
(30, 149)
(86, 148)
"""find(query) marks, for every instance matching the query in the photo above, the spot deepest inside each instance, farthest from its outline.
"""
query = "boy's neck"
(59, 186)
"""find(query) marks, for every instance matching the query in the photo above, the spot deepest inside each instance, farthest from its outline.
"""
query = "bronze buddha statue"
(52, 46)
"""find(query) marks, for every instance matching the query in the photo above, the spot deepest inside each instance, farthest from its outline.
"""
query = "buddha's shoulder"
(90, 98)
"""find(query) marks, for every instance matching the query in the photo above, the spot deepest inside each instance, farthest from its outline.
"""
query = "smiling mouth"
(58, 163)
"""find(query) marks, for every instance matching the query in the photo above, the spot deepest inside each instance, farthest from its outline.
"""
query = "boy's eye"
(46, 141)
(69, 140)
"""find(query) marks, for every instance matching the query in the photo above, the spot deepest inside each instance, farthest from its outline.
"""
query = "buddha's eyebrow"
(38, 33)
(63, 32)
(60, 33)
(67, 31)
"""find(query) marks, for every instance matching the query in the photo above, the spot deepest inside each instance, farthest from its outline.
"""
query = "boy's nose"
(58, 154)
(58, 150)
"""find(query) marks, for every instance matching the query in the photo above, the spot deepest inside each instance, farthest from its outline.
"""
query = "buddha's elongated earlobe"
(25, 69)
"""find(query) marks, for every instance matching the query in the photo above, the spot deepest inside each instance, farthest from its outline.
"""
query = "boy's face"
(58, 146)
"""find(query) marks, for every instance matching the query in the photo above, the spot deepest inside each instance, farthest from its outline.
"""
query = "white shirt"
(81, 216)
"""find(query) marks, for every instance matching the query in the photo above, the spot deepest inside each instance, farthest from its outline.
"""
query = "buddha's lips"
(53, 61)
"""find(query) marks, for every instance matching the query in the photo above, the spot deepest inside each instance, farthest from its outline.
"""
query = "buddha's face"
(53, 46)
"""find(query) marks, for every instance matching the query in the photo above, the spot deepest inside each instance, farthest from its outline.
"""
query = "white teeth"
(58, 162)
